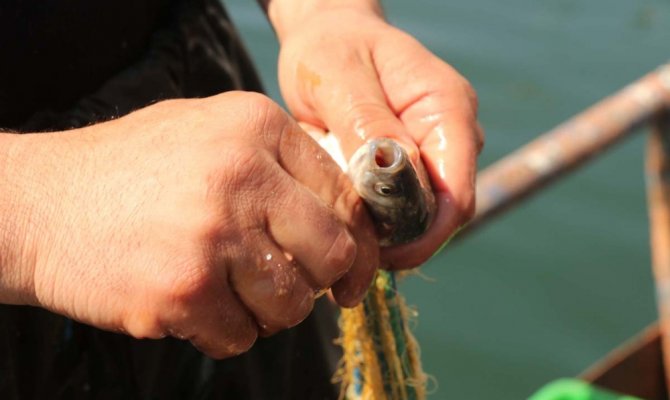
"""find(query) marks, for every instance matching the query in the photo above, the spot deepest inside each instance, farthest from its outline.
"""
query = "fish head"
(396, 192)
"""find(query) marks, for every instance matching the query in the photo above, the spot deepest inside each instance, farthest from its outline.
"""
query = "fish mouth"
(386, 155)
(404, 213)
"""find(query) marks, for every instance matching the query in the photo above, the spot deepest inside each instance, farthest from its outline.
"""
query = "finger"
(310, 165)
(450, 157)
(439, 109)
(349, 290)
(232, 330)
(357, 110)
(449, 153)
(209, 314)
(272, 287)
(305, 227)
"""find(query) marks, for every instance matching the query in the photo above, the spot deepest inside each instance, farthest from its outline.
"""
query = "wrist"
(284, 15)
(19, 219)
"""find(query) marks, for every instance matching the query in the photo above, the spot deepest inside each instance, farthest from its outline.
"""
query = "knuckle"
(264, 113)
(254, 112)
(370, 117)
(278, 296)
(347, 203)
(171, 300)
(300, 307)
(245, 165)
(181, 292)
(289, 309)
(462, 88)
(364, 109)
(256, 101)
(184, 295)
(246, 168)
(269, 123)
(338, 259)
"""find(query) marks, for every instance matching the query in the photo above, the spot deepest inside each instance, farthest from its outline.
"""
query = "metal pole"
(658, 193)
(569, 145)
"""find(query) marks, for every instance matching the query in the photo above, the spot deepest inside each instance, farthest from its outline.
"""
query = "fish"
(399, 198)
(396, 192)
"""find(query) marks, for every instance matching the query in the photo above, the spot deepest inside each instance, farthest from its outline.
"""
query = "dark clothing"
(67, 64)
(93, 62)
(46, 356)
(55, 51)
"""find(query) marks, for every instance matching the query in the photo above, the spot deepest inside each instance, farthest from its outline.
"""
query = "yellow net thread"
(381, 357)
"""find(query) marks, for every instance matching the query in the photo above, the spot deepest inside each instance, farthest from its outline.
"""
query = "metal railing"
(517, 176)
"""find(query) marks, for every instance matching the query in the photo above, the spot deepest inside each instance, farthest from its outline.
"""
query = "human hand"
(345, 70)
(183, 219)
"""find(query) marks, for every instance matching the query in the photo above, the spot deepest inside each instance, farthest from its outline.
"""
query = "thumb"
(357, 110)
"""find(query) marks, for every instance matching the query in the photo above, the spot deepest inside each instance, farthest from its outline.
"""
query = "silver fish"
(396, 192)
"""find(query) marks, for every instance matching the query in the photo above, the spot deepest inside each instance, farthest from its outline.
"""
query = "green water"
(552, 286)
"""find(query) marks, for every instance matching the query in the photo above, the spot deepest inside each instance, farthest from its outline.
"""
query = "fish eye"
(384, 189)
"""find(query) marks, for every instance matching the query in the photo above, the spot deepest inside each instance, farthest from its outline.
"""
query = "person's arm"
(15, 273)
(187, 229)
(342, 68)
